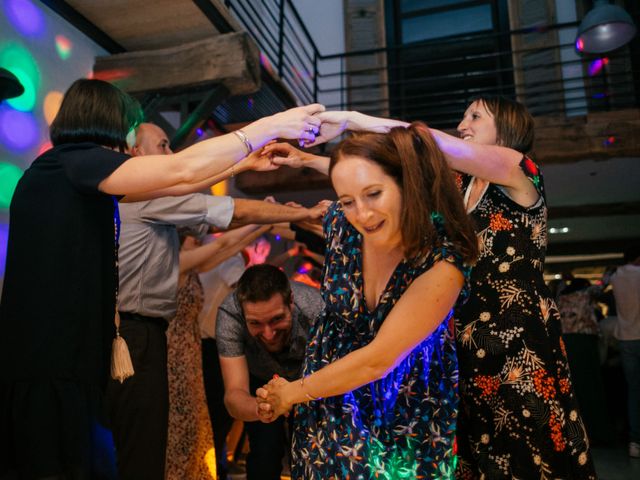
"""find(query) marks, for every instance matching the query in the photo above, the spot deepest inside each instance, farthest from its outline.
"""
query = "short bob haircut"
(261, 282)
(95, 111)
(514, 123)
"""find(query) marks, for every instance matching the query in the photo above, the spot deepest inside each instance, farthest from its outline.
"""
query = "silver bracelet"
(244, 139)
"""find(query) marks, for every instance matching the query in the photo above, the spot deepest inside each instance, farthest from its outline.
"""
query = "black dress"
(56, 314)
(519, 417)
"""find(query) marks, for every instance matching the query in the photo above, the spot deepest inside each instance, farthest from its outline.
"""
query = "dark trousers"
(138, 408)
(221, 421)
(268, 443)
(584, 363)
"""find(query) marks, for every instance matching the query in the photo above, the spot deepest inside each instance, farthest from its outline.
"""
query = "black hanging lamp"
(604, 28)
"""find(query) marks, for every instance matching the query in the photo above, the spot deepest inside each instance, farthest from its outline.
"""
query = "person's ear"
(135, 151)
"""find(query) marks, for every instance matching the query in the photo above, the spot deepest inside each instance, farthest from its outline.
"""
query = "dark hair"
(576, 285)
(261, 282)
(411, 157)
(631, 253)
(95, 111)
(514, 123)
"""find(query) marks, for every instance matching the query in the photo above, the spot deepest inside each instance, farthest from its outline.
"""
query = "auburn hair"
(412, 158)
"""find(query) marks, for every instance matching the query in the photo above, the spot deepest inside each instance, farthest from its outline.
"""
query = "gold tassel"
(121, 365)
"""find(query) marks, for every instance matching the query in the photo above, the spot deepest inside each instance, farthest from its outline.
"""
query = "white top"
(626, 289)
(217, 284)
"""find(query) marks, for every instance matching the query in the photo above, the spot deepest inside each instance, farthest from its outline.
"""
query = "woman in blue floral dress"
(519, 416)
(379, 394)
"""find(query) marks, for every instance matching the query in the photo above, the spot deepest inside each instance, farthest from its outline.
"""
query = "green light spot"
(9, 176)
(27, 100)
(19, 61)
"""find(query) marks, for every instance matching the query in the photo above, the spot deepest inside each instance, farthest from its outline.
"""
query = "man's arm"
(190, 210)
(248, 211)
(237, 398)
(208, 256)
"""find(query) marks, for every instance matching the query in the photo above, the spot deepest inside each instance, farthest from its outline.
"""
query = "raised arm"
(493, 163)
(414, 317)
(333, 124)
(208, 158)
(248, 211)
(208, 256)
(496, 164)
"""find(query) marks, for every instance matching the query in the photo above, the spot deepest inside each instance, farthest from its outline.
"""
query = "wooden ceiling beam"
(231, 60)
(83, 24)
(598, 135)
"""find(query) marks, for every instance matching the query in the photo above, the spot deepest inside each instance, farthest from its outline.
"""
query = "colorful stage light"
(18, 130)
(27, 100)
(597, 65)
(25, 17)
(63, 46)
(44, 147)
(4, 237)
(9, 176)
(18, 60)
(114, 75)
(51, 105)
(264, 61)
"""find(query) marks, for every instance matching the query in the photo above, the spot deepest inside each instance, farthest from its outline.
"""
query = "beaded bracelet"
(245, 140)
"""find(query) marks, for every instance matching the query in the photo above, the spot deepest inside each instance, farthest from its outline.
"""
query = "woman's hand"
(333, 124)
(318, 211)
(285, 154)
(299, 123)
(257, 161)
(336, 122)
(272, 400)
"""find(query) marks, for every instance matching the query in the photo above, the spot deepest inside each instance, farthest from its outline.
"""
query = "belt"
(136, 317)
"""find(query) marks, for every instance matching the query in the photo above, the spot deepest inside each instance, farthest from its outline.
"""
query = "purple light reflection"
(597, 65)
(18, 130)
(25, 17)
(4, 237)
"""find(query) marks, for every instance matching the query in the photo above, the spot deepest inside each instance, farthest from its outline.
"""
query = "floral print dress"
(518, 417)
(401, 426)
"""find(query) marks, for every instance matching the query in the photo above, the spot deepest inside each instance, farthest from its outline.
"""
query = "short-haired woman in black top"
(58, 303)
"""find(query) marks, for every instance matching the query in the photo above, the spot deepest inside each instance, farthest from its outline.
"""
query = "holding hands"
(271, 401)
(300, 123)
(325, 127)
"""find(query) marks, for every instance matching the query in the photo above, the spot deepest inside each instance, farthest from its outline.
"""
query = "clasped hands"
(271, 401)
(326, 126)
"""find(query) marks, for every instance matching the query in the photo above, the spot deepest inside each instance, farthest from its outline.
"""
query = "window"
(441, 52)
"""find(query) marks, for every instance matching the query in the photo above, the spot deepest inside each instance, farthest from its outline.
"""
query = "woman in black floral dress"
(519, 417)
